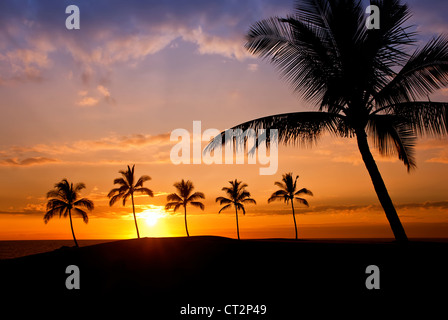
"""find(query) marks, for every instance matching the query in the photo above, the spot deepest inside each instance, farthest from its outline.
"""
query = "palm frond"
(195, 196)
(304, 191)
(82, 213)
(278, 195)
(125, 197)
(248, 200)
(121, 181)
(143, 190)
(281, 185)
(241, 207)
(303, 128)
(141, 180)
(425, 72)
(173, 205)
(57, 210)
(197, 204)
(297, 51)
(301, 200)
(115, 198)
(426, 118)
(79, 186)
(184, 188)
(55, 194)
(53, 203)
(227, 206)
(84, 202)
(393, 135)
(223, 200)
(174, 197)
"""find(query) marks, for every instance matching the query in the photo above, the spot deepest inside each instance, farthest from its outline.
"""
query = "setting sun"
(151, 219)
(151, 214)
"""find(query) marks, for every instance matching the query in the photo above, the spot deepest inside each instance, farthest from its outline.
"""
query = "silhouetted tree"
(237, 195)
(64, 199)
(353, 75)
(127, 188)
(184, 197)
(288, 192)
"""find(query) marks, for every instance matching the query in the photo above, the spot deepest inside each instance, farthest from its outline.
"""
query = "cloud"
(436, 150)
(252, 67)
(27, 161)
(134, 141)
(425, 205)
(88, 102)
(351, 209)
(149, 148)
(105, 92)
(22, 65)
(442, 159)
(210, 44)
(29, 34)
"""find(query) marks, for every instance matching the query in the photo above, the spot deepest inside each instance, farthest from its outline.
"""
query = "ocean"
(18, 248)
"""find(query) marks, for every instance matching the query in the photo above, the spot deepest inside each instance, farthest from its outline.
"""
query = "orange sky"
(82, 105)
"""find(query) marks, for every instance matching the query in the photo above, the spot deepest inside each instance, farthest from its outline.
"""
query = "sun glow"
(152, 215)
(151, 219)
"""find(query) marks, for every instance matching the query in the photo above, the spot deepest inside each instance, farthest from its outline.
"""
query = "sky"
(83, 104)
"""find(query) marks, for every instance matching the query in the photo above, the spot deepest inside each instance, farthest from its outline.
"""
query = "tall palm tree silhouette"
(128, 188)
(184, 197)
(64, 199)
(237, 195)
(288, 192)
(352, 74)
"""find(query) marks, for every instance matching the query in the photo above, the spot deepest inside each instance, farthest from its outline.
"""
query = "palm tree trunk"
(237, 227)
(71, 226)
(135, 219)
(186, 227)
(294, 216)
(380, 187)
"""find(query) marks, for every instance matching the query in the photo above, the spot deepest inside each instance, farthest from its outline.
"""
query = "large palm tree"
(65, 199)
(237, 195)
(184, 197)
(288, 192)
(364, 82)
(129, 186)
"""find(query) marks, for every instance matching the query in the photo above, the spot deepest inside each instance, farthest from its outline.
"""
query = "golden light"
(151, 219)
(152, 214)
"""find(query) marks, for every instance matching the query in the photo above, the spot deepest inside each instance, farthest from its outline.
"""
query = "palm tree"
(237, 195)
(184, 197)
(364, 82)
(288, 192)
(128, 188)
(64, 199)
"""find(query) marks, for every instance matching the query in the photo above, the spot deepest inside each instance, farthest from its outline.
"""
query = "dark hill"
(287, 276)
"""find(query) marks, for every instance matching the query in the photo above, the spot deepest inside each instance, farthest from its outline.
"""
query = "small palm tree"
(64, 199)
(184, 197)
(237, 196)
(288, 192)
(128, 188)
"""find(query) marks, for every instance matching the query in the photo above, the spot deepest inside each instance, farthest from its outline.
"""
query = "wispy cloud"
(34, 32)
(88, 102)
(27, 161)
(84, 149)
(353, 209)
